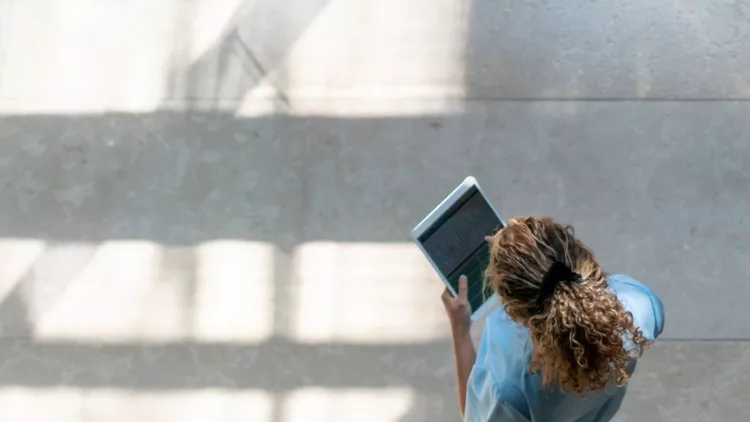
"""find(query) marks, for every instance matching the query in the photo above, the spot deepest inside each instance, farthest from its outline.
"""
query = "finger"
(463, 287)
(447, 295)
(488, 238)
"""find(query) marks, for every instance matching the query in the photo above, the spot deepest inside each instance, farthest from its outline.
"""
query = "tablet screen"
(456, 243)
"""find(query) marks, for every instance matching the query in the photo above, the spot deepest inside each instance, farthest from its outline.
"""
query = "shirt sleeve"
(481, 395)
(484, 402)
(648, 310)
(658, 314)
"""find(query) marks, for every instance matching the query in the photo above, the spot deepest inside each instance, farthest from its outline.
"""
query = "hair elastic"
(556, 274)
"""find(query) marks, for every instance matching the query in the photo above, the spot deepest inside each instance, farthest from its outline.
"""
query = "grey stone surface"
(206, 54)
(674, 381)
(90, 178)
(615, 49)
(695, 381)
(663, 200)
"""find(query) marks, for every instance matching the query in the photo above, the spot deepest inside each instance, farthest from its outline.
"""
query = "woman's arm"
(459, 314)
(466, 355)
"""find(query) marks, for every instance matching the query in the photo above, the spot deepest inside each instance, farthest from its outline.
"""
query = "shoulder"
(644, 304)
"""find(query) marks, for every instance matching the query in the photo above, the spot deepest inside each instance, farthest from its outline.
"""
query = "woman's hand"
(458, 307)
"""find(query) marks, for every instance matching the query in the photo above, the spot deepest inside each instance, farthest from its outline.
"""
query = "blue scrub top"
(501, 388)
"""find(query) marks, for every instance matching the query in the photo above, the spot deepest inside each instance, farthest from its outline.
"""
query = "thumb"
(446, 296)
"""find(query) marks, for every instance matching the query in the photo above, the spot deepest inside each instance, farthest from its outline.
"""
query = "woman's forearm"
(463, 349)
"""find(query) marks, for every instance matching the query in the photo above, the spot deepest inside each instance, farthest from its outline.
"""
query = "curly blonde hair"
(579, 337)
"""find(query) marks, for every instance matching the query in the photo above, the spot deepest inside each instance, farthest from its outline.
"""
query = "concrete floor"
(206, 204)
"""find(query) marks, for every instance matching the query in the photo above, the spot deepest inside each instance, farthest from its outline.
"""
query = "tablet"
(452, 239)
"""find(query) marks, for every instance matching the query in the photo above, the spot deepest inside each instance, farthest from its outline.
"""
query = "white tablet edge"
(425, 224)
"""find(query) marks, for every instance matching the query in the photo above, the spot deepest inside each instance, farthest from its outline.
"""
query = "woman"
(566, 341)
